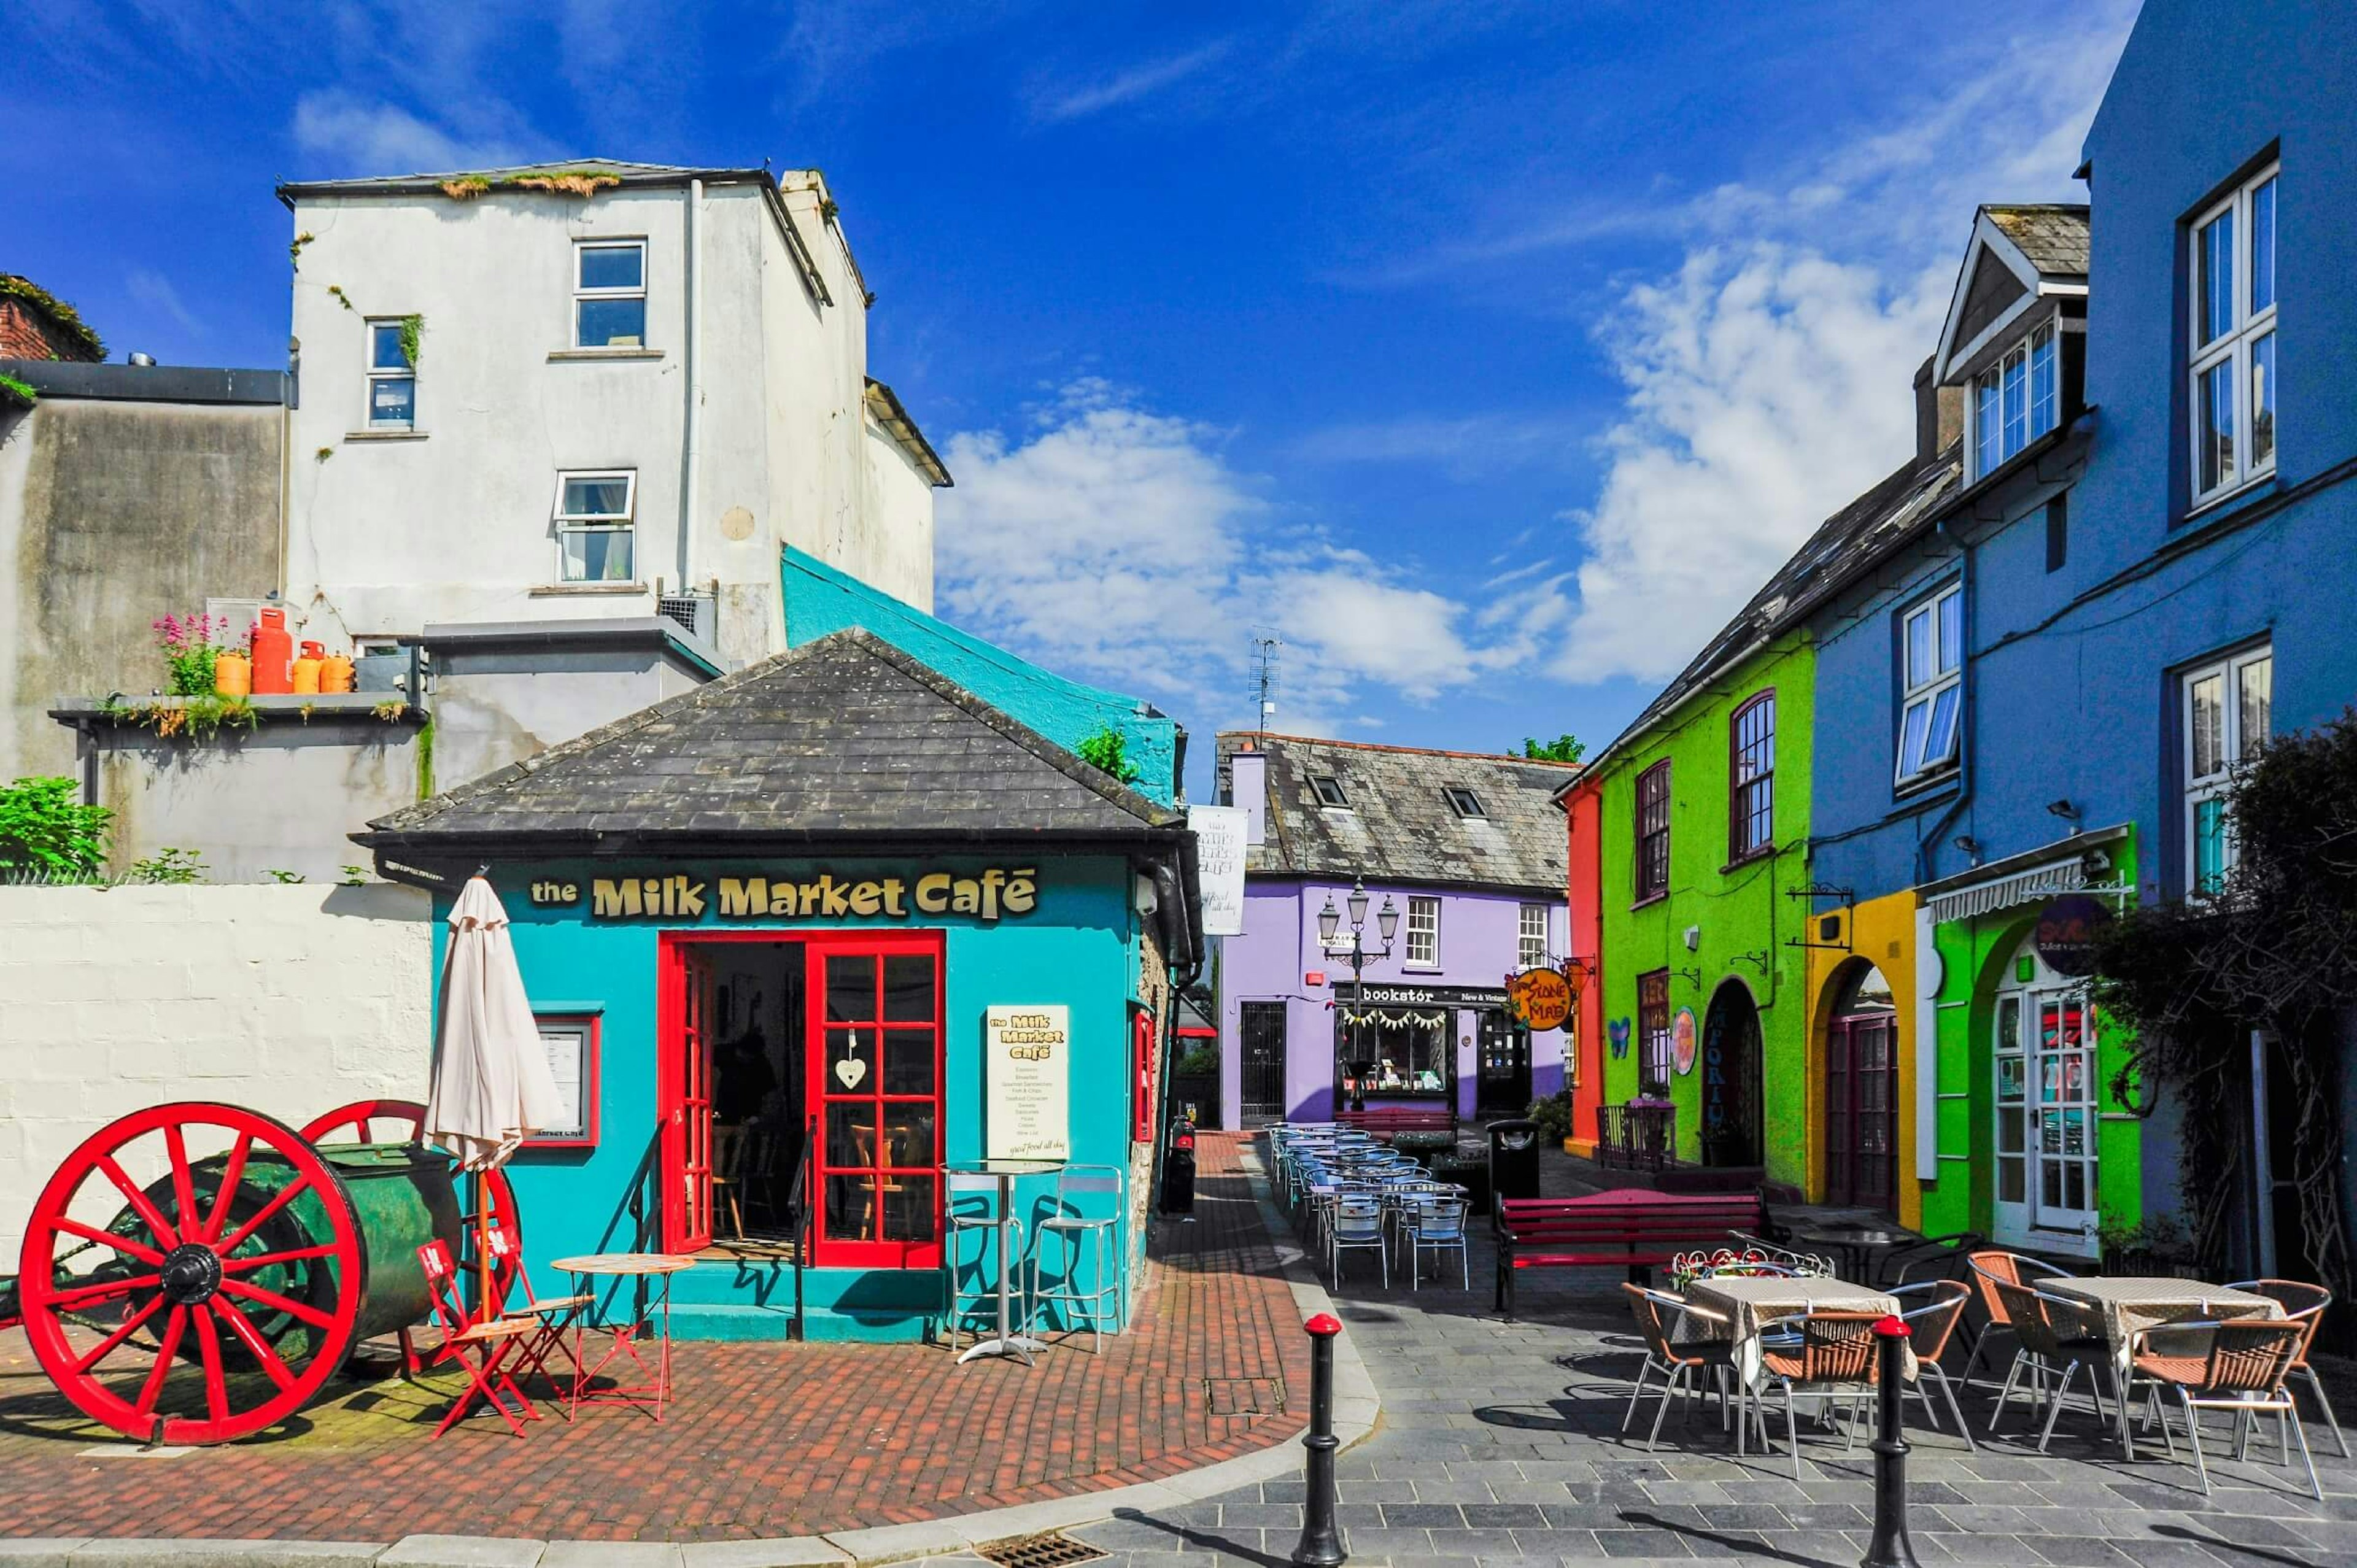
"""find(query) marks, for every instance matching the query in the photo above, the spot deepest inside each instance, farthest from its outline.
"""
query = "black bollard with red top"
(1890, 1548)
(1322, 1542)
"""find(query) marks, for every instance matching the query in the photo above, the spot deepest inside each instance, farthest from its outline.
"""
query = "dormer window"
(1463, 802)
(1329, 790)
(2016, 401)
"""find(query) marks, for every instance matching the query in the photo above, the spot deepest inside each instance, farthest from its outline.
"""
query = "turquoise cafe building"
(798, 939)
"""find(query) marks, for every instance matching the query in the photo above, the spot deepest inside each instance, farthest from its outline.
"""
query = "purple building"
(1469, 852)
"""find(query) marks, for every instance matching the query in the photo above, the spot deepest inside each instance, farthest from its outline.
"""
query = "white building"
(587, 391)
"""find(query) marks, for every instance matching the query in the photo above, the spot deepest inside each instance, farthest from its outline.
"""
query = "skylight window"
(1329, 790)
(1463, 802)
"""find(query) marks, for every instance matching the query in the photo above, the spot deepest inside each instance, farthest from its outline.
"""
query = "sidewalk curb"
(1357, 1410)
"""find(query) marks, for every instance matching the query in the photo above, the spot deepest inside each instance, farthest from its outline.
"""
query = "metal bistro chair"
(1986, 1271)
(964, 1305)
(1357, 1225)
(1835, 1353)
(1679, 1362)
(1438, 1223)
(2302, 1303)
(1082, 1234)
(1929, 1328)
(550, 1318)
(2053, 1337)
(2242, 1370)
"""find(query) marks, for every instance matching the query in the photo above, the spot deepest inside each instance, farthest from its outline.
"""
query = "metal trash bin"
(1513, 1159)
(1178, 1168)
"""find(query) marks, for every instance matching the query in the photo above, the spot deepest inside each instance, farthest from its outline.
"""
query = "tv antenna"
(1266, 656)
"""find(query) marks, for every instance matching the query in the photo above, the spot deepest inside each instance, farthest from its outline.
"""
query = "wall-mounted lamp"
(1969, 846)
(1694, 938)
(2064, 810)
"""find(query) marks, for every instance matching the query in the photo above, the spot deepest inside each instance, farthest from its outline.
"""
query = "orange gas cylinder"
(335, 673)
(232, 674)
(306, 670)
(273, 649)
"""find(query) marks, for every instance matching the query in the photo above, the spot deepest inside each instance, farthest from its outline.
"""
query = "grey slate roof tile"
(1399, 826)
(2052, 235)
(845, 735)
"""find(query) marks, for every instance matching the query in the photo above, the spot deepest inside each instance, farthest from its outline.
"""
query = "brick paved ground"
(764, 1440)
(1499, 1445)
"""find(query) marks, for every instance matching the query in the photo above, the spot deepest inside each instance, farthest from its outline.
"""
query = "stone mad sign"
(1026, 1053)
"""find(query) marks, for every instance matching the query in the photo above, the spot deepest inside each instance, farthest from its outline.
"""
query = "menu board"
(1220, 839)
(1027, 1054)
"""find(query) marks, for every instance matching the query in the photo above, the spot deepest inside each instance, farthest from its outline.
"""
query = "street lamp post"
(1329, 921)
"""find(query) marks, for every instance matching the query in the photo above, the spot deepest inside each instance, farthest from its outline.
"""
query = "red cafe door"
(684, 1098)
(875, 1068)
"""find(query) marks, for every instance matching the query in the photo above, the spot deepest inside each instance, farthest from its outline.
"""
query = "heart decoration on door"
(850, 1072)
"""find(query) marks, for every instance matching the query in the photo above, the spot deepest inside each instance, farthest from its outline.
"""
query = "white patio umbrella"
(491, 1082)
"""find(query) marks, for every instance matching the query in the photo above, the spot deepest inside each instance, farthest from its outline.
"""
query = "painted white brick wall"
(290, 1000)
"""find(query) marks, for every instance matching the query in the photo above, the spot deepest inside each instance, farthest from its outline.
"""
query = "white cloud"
(1766, 388)
(1123, 87)
(366, 136)
(155, 291)
(1769, 377)
(1118, 545)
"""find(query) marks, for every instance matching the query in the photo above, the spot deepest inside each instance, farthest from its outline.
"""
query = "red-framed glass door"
(683, 1096)
(876, 1067)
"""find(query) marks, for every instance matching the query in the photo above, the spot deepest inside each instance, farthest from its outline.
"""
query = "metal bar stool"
(958, 1224)
(1080, 1233)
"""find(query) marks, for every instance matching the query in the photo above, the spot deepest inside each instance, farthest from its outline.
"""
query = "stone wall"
(289, 1000)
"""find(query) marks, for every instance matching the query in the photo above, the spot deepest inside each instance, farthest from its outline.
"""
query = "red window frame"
(1653, 823)
(1751, 778)
(826, 1093)
(683, 1090)
(1141, 1024)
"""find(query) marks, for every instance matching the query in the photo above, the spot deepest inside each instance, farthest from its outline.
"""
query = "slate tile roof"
(1840, 544)
(841, 738)
(1399, 826)
(2053, 235)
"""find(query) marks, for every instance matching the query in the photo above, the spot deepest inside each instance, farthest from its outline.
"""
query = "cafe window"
(1653, 1028)
(1397, 1051)
(876, 1075)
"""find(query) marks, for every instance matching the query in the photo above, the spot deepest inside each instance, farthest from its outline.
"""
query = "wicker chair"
(1930, 1327)
(2302, 1303)
(2242, 1370)
(2053, 1337)
(1835, 1353)
(1986, 1271)
(1679, 1360)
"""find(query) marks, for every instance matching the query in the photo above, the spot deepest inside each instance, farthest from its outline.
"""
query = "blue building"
(2030, 698)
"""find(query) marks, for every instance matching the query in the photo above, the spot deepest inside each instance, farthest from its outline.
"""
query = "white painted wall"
(453, 524)
(288, 1000)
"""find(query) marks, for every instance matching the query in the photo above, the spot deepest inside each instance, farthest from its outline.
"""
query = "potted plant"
(1652, 1093)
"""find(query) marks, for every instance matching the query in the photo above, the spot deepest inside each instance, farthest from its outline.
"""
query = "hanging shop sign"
(1027, 1070)
(986, 895)
(1539, 999)
(1434, 996)
(2067, 931)
(1220, 835)
(1681, 1041)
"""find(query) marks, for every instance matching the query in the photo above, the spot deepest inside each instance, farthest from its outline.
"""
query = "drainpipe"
(693, 278)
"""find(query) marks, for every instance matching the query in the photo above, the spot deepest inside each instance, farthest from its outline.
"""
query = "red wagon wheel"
(404, 1121)
(218, 1299)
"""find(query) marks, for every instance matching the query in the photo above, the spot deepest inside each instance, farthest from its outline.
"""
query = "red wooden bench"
(1633, 1227)
(1383, 1120)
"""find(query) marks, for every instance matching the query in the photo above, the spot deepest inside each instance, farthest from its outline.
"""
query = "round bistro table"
(1009, 1342)
(658, 1266)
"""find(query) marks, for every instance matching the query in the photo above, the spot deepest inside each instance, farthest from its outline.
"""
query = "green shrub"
(44, 826)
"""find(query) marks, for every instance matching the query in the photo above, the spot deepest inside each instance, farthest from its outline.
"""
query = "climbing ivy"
(413, 329)
(15, 393)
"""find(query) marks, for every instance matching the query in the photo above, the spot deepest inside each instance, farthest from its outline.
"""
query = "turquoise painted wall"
(1079, 948)
(820, 599)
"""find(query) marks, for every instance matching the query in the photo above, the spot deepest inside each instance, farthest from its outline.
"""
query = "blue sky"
(1489, 355)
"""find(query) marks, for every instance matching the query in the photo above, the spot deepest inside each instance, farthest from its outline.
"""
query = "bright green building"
(1703, 839)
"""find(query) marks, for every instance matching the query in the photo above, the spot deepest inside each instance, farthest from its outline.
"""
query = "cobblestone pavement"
(1500, 1445)
(766, 1439)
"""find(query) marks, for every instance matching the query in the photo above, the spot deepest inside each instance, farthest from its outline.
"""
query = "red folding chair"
(547, 1320)
(482, 1348)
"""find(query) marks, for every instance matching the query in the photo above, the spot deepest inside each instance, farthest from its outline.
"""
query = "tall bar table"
(1007, 1342)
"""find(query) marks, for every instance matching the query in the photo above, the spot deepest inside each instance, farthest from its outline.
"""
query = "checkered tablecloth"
(1752, 1304)
(2119, 1307)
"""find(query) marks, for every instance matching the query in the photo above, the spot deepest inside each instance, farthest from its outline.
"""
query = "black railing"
(800, 1216)
(1636, 1137)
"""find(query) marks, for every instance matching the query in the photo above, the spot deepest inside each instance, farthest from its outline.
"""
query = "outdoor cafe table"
(1007, 1342)
(2123, 1306)
(626, 1329)
(1753, 1303)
